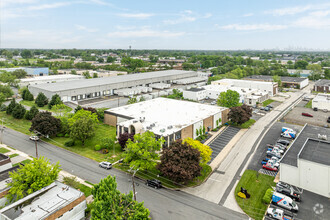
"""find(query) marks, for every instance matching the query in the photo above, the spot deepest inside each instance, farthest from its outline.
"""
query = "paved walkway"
(224, 179)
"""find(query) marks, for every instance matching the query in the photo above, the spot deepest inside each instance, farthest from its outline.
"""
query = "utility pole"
(133, 183)
(35, 141)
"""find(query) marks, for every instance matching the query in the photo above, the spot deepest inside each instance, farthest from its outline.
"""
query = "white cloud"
(6, 3)
(145, 33)
(297, 9)
(48, 6)
(248, 15)
(83, 28)
(186, 16)
(136, 15)
(314, 20)
(254, 27)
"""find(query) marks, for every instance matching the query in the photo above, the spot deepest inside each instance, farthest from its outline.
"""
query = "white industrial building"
(49, 79)
(286, 81)
(247, 95)
(92, 88)
(168, 118)
(306, 164)
(55, 201)
(322, 102)
(270, 87)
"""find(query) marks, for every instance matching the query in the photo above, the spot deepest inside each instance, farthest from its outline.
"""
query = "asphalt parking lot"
(270, 138)
(319, 117)
(312, 206)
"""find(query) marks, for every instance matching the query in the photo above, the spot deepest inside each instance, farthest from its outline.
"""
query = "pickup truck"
(278, 214)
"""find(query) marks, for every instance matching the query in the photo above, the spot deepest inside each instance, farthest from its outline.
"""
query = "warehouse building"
(322, 102)
(49, 79)
(287, 81)
(306, 164)
(168, 118)
(322, 85)
(270, 87)
(97, 87)
(55, 201)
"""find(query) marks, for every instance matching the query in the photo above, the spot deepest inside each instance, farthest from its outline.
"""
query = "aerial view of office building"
(168, 118)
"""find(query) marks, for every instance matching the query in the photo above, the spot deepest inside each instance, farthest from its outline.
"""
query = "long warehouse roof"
(77, 84)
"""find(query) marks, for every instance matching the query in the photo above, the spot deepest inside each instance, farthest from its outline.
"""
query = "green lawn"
(4, 150)
(20, 125)
(256, 187)
(267, 102)
(23, 162)
(31, 103)
(247, 124)
(75, 184)
(309, 104)
(13, 155)
(102, 131)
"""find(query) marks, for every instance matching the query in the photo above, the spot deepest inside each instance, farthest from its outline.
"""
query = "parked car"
(276, 149)
(284, 202)
(34, 138)
(265, 161)
(154, 183)
(267, 109)
(105, 165)
(268, 166)
(213, 102)
(288, 192)
(277, 145)
(306, 114)
(288, 132)
(274, 154)
(269, 106)
(315, 109)
(328, 119)
(262, 108)
(276, 213)
(283, 142)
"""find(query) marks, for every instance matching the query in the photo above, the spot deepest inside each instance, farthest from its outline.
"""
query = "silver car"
(105, 165)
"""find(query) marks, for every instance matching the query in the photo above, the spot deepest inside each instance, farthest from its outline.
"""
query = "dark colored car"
(315, 109)
(283, 142)
(105, 165)
(267, 109)
(154, 183)
(306, 114)
(328, 120)
(288, 192)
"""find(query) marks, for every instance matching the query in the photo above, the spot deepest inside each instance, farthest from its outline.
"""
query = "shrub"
(105, 151)
(3, 107)
(69, 143)
(66, 135)
(107, 143)
(41, 100)
(268, 196)
(60, 135)
(97, 147)
(19, 111)
(123, 139)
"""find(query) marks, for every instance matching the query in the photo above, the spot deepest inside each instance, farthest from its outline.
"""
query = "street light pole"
(35, 141)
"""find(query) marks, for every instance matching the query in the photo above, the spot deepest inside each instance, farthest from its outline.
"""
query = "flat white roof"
(322, 98)
(53, 77)
(164, 112)
(232, 81)
(42, 203)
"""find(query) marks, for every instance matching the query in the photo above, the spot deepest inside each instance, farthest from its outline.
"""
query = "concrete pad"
(231, 201)
(17, 159)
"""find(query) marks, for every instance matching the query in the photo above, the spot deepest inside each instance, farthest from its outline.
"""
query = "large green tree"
(240, 114)
(110, 203)
(41, 100)
(26, 54)
(142, 152)
(6, 91)
(180, 162)
(11, 106)
(46, 124)
(18, 111)
(228, 99)
(205, 151)
(29, 115)
(31, 177)
(82, 125)
(55, 100)
(19, 73)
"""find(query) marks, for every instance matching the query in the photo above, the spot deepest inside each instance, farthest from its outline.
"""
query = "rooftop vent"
(322, 137)
(135, 121)
(169, 127)
(162, 130)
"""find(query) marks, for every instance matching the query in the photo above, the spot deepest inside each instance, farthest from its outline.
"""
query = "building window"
(89, 95)
(125, 130)
(178, 135)
(73, 98)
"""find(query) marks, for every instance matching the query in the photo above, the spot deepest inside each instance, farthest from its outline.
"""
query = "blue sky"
(156, 24)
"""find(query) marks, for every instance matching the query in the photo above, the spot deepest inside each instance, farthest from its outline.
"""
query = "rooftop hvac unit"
(169, 127)
(322, 137)
(148, 127)
(162, 130)
(153, 125)
(135, 121)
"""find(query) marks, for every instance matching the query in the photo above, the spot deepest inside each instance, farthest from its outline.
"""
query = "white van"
(284, 202)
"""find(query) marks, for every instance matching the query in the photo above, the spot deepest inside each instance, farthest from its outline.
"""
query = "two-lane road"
(163, 204)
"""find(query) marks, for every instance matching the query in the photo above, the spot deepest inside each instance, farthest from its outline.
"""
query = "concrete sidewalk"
(223, 180)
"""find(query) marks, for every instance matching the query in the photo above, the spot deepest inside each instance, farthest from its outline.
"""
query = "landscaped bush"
(268, 196)
(3, 107)
(66, 135)
(97, 147)
(60, 135)
(69, 143)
